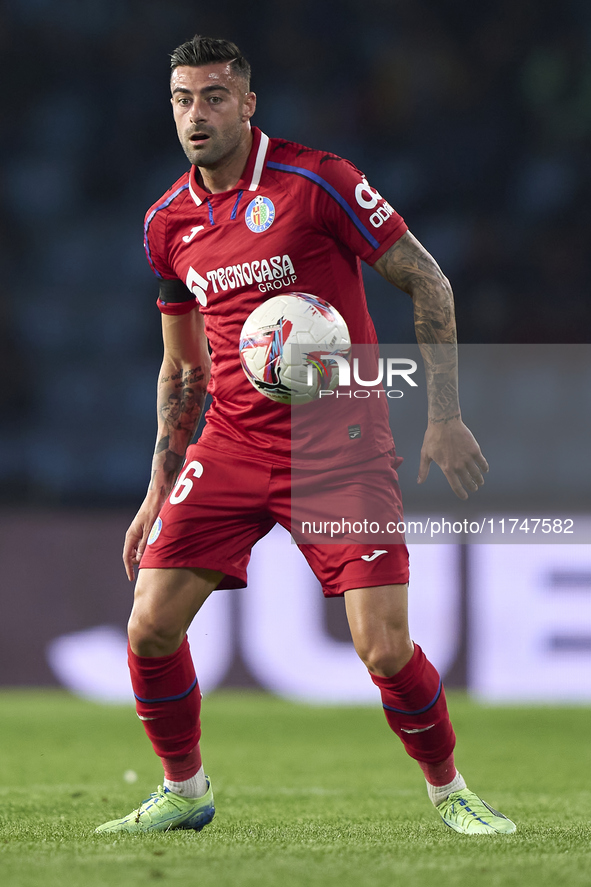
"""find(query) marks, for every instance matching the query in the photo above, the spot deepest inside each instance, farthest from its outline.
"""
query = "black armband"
(174, 291)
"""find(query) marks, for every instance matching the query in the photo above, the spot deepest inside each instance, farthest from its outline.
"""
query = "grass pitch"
(323, 797)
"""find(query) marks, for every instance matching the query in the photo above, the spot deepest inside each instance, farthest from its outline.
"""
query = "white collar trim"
(259, 162)
(193, 195)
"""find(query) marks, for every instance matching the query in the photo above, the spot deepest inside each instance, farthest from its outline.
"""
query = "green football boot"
(465, 812)
(164, 810)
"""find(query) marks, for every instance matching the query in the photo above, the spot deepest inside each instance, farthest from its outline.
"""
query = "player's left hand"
(455, 449)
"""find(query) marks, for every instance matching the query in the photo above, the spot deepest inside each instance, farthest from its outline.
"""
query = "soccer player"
(190, 410)
(252, 217)
(171, 410)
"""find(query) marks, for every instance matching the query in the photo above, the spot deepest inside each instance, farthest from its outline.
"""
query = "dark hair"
(207, 51)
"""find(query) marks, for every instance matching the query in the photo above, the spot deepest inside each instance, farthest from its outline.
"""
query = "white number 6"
(184, 485)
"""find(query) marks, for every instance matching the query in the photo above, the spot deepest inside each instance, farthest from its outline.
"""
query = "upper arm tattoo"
(412, 269)
(405, 261)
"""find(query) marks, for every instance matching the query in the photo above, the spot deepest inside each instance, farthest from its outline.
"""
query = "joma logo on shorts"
(273, 273)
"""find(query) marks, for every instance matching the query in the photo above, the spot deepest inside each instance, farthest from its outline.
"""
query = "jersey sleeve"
(155, 243)
(347, 206)
(173, 296)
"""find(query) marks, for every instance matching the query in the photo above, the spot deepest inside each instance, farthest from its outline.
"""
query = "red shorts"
(222, 504)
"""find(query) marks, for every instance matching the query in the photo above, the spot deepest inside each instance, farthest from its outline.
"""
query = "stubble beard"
(215, 150)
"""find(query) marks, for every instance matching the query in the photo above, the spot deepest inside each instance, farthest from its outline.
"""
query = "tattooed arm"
(182, 385)
(448, 442)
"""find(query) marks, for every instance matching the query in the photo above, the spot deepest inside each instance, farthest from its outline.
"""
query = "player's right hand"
(137, 536)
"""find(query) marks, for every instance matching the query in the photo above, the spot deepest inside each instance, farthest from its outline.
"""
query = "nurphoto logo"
(388, 369)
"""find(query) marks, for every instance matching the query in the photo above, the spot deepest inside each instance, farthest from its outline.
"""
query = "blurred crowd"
(474, 120)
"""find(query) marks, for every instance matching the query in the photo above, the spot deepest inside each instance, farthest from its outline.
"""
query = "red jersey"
(299, 220)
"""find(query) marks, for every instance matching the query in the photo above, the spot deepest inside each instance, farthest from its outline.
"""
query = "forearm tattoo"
(180, 403)
(410, 267)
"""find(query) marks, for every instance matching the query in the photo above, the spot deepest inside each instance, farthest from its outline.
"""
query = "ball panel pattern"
(288, 346)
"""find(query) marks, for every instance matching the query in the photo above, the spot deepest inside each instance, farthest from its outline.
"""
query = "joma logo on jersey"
(274, 273)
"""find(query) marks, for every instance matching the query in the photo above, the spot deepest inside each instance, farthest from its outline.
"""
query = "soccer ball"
(288, 347)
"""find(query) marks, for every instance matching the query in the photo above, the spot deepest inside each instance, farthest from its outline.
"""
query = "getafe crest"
(260, 214)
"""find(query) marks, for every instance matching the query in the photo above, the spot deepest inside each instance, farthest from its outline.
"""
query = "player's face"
(211, 111)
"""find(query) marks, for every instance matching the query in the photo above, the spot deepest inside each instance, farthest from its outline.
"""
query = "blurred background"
(474, 121)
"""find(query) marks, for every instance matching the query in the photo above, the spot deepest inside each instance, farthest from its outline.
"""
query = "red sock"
(439, 774)
(179, 769)
(416, 710)
(168, 703)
